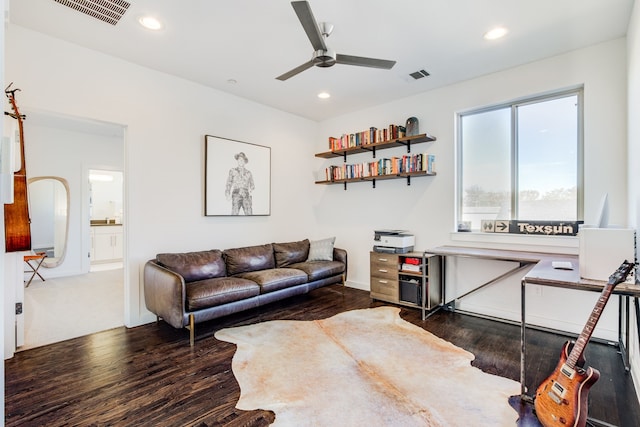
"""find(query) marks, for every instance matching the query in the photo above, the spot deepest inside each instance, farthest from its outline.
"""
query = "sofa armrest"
(164, 293)
(341, 255)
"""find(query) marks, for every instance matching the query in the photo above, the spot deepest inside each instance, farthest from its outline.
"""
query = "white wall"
(166, 120)
(633, 157)
(427, 207)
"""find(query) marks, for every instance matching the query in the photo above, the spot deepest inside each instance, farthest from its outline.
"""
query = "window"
(521, 161)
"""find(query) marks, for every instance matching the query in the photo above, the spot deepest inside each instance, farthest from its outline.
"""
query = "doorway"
(106, 211)
(69, 147)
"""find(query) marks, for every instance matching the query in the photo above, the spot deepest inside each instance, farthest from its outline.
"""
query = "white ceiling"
(254, 41)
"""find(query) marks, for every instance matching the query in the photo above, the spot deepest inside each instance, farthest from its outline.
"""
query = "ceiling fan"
(324, 56)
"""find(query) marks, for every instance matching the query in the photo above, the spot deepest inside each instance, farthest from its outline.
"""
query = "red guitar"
(561, 399)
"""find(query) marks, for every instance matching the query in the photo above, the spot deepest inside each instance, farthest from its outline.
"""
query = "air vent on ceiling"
(109, 11)
(419, 74)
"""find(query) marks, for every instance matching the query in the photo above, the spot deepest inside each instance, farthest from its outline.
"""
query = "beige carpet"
(364, 368)
(62, 308)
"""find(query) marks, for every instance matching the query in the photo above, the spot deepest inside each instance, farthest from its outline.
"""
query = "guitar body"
(17, 226)
(561, 400)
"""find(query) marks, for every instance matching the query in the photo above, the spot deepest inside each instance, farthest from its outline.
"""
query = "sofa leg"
(192, 330)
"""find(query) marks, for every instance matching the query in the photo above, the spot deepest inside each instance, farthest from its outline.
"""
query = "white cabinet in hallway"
(106, 243)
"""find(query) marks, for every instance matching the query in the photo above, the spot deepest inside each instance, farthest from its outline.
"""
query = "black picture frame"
(237, 178)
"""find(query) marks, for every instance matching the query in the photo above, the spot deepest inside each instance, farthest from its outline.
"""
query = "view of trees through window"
(521, 161)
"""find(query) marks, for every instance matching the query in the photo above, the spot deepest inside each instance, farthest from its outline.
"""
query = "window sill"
(524, 242)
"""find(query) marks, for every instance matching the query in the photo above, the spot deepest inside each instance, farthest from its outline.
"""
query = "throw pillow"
(321, 250)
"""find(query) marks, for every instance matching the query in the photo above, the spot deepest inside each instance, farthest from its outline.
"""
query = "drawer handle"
(383, 271)
(383, 259)
(382, 281)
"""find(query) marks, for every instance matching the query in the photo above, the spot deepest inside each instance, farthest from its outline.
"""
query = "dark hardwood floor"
(150, 376)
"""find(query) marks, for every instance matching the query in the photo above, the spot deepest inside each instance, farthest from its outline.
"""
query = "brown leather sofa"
(187, 288)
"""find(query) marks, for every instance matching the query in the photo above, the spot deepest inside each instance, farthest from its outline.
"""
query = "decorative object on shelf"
(237, 178)
(412, 127)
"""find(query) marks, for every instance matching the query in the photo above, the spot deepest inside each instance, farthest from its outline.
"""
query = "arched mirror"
(49, 212)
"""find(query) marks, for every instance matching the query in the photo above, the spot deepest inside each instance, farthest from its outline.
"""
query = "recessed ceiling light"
(324, 95)
(150, 23)
(496, 33)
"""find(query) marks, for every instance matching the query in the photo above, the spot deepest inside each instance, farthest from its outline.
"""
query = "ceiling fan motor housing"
(324, 58)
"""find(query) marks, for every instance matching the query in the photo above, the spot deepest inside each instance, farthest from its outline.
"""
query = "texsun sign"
(549, 228)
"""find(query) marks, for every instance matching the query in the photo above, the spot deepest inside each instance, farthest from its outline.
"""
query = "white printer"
(393, 241)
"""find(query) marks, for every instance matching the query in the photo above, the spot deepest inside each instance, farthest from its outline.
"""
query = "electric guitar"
(17, 223)
(561, 399)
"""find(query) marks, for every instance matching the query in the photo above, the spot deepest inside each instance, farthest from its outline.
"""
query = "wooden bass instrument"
(17, 224)
(561, 400)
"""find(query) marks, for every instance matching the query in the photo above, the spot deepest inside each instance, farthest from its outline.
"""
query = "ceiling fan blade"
(303, 10)
(364, 62)
(295, 71)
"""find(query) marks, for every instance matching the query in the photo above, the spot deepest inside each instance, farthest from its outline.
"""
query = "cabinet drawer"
(381, 286)
(384, 259)
(384, 266)
(384, 273)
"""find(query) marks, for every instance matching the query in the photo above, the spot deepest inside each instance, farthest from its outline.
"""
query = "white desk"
(542, 273)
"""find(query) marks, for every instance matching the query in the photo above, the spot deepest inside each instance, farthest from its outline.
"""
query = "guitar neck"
(587, 331)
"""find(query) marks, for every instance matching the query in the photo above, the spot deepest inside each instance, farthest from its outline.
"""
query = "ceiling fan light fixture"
(496, 33)
(326, 28)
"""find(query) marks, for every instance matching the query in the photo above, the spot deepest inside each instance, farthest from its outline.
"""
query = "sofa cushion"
(221, 290)
(274, 279)
(250, 258)
(194, 266)
(317, 270)
(321, 250)
(291, 252)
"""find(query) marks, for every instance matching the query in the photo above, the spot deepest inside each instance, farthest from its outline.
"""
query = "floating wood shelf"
(405, 141)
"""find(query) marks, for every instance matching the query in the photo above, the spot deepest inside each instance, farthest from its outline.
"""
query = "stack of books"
(394, 166)
(411, 264)
(366, 137)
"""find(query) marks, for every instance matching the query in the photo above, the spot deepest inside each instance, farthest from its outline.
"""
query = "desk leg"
(637, 307)
(523, 348)
(627, 362)
(443, 284)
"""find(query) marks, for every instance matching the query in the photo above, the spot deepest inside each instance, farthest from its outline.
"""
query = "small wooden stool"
(37, 259)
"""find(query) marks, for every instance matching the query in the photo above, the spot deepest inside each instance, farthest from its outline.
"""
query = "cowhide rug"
(363, 368)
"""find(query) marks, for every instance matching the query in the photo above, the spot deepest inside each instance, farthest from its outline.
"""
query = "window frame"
(513, 105)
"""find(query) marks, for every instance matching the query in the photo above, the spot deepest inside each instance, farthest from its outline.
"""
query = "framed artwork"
(237, 178)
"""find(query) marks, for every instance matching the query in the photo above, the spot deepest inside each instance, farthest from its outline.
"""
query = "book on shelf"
(410, 267)
(395, 165)
(366, 137)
